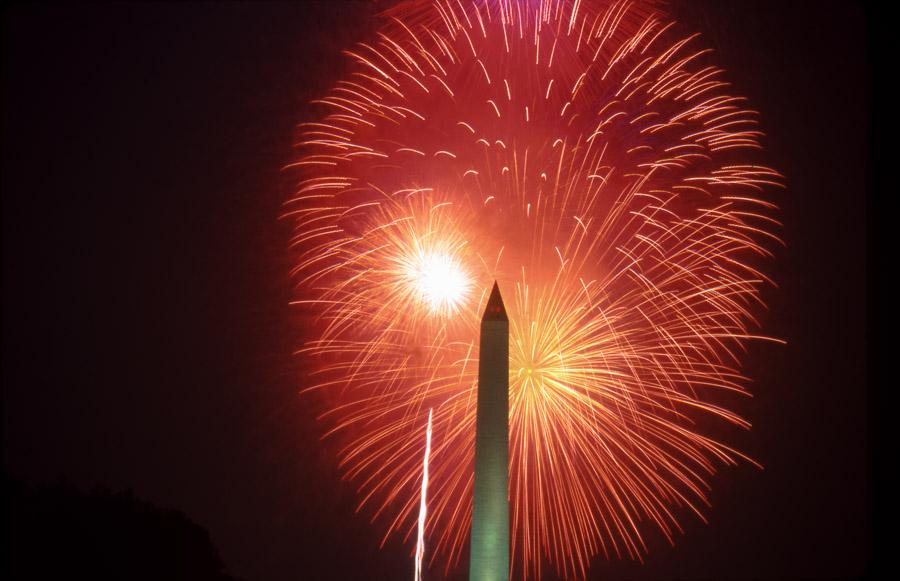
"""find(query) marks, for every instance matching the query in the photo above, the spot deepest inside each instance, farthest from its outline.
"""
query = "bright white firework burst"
(440, 280)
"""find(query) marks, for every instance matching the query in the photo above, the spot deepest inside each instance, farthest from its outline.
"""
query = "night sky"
(147, 336)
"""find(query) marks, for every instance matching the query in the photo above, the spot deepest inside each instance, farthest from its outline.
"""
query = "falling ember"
(423, 510)
(589, 156)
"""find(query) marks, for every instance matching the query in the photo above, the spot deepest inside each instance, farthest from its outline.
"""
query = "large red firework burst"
(586, 156)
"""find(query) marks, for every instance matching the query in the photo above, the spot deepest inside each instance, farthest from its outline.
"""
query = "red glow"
(588, 158)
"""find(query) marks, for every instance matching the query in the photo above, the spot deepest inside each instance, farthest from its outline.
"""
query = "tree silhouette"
(58, 532)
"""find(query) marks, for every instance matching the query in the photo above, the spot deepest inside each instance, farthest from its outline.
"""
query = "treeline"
(59, 532)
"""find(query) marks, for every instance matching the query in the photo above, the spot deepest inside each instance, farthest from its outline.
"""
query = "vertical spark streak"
(423, 510)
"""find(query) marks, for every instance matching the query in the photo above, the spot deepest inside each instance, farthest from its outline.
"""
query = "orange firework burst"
(588, 158)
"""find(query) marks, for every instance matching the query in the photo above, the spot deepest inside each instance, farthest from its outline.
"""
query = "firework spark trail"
(587, 156)
(423, 504)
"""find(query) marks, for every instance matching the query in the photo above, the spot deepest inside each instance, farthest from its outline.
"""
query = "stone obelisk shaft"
(489, 552)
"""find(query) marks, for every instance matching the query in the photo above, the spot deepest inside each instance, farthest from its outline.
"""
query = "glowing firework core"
(439, 281)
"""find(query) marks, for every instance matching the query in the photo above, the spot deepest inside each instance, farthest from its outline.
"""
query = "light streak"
(423, 503)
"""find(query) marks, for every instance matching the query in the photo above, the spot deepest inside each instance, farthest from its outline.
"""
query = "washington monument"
(489, 552)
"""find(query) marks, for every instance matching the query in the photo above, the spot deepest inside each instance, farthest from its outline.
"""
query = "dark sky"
(147, 337)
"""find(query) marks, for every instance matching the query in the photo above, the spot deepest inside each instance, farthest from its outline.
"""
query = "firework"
(423, 503)
(588, 157)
